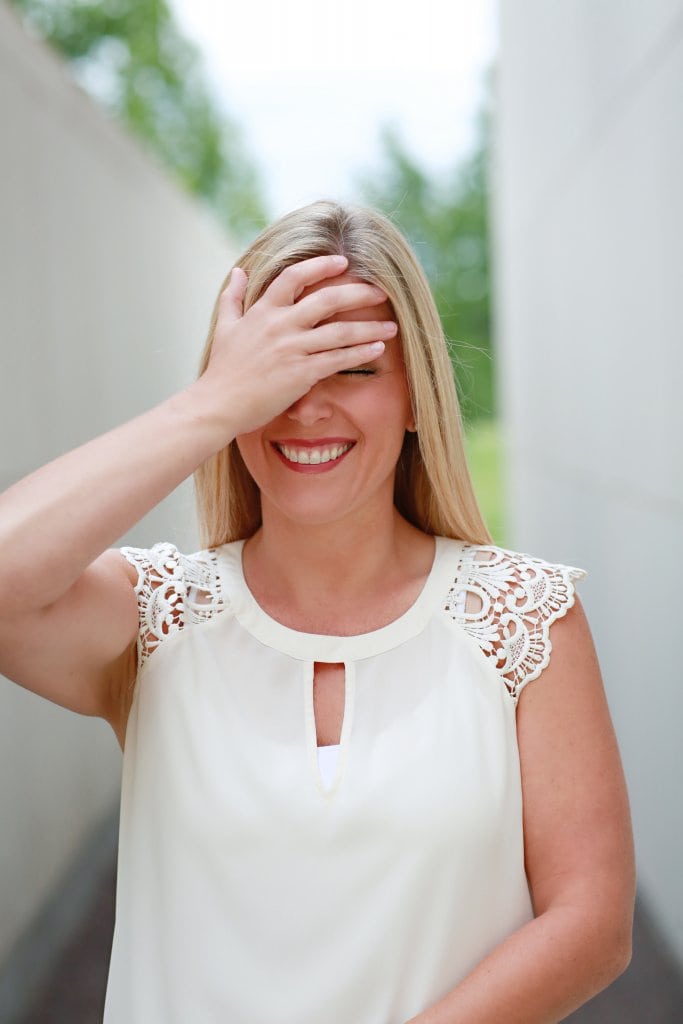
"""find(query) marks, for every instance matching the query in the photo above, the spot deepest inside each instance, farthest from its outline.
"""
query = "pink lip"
(322, 467)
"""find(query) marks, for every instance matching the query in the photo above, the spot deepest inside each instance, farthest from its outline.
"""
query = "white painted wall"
(589, 241)
(107, 279)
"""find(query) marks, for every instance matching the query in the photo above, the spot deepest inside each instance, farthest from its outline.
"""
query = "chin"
(311, 507)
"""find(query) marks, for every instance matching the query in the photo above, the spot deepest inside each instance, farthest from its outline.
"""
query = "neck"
(344, 559)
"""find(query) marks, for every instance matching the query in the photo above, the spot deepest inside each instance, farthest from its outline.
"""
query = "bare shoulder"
(112, 560)
(80, 650)
(567, 699)
(571, 684)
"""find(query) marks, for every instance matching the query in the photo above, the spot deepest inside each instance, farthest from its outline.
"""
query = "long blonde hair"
(433, 488)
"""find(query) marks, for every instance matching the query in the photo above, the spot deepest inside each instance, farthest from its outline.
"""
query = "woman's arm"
(578, 852)
(65, 514)
(68, 611)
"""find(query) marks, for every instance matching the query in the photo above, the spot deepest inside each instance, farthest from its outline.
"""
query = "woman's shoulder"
(165, 561)
(495, 562)
(174, 590)
(507, 600)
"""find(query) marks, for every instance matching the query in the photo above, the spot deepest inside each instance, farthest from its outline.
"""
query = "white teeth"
(313, 456)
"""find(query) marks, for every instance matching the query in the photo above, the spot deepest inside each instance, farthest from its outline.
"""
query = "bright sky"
(311, 82)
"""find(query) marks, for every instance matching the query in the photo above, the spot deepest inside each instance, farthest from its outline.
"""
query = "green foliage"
(131, 56)
(484, 458)
(447, 222)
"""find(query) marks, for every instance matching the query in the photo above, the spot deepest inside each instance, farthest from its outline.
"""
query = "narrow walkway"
(650, 992)
(74, 993)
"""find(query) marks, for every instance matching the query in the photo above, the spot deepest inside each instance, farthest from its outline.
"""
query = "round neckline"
(326, 647)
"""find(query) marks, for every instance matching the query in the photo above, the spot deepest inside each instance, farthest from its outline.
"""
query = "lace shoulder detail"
(173, 591)
(519, 597)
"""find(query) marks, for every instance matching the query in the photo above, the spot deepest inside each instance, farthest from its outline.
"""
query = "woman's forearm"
(57, 520)
(541, 973)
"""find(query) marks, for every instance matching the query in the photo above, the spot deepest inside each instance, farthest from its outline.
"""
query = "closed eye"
(365, 371)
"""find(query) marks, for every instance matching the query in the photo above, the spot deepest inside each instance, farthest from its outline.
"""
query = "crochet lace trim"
(173, 590)
(519, 598)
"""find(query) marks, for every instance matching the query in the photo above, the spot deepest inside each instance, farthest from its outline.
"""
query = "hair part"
(433, 488)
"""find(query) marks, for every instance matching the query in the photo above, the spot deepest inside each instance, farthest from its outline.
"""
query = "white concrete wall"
(107, 280)
(589, 241)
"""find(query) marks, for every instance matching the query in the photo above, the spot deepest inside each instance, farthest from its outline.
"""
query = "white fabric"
(327, 762)
(252, 890)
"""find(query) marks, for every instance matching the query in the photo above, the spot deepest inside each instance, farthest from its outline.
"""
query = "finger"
(289, 284)
(339, 359)
(325, 303)
(231, 303)
(344, 334)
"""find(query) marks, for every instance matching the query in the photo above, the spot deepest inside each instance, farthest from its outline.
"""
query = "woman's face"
(334, 452)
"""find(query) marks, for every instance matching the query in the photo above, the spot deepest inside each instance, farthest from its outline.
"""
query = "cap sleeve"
(173, 590)
(515, 600)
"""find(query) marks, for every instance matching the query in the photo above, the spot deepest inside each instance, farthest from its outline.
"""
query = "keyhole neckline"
(329, 648)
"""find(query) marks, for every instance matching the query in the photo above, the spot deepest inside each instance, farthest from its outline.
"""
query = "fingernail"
(339, 260)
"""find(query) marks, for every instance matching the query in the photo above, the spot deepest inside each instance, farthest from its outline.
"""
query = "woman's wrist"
(213, 417)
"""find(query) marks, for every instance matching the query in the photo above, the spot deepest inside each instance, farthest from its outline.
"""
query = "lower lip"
(322, 467)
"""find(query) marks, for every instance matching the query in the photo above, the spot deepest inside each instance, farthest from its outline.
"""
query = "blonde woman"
(369, 775)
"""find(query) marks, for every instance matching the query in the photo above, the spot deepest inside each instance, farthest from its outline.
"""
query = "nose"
(312, 407)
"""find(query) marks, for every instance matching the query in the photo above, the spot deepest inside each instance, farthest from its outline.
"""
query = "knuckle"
(331, 333)
(343, 357)
(365, 331)
(339, 330)
(289, 273)
(271, 332)
(293, 275)
(372, 293)
(325, 302)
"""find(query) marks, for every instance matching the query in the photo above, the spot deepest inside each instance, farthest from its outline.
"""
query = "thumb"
(232, 297)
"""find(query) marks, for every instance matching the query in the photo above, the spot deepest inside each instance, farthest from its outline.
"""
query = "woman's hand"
(263, 360)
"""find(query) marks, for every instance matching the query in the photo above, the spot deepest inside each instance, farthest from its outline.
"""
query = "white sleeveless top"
(250, 891)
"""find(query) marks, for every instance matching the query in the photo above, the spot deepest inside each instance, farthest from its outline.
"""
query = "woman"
(356, 785)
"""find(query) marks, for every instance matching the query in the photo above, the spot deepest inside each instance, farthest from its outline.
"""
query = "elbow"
(613, 951)
(602, 940)
(623, 953)
(622, 929)
(618, 958)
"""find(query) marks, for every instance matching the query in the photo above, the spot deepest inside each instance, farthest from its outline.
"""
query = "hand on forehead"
(377, 312)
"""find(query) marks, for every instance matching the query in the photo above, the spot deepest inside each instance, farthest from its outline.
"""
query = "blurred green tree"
(447, 222)
(130, 55)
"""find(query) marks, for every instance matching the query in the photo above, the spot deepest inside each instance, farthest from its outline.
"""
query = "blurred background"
(533, 154)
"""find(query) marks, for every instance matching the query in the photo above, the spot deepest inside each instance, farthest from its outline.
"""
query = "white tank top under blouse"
(327, 762)
(260, 884)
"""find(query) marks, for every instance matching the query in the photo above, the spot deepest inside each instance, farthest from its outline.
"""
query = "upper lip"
(320, 442)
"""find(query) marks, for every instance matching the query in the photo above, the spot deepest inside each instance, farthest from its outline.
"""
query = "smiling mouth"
(313, 456)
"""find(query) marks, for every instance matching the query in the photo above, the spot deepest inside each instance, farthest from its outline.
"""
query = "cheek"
(385, 420)
(250, 447)
(394, 408)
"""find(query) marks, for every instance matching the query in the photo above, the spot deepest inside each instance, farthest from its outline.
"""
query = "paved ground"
(650, 992)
